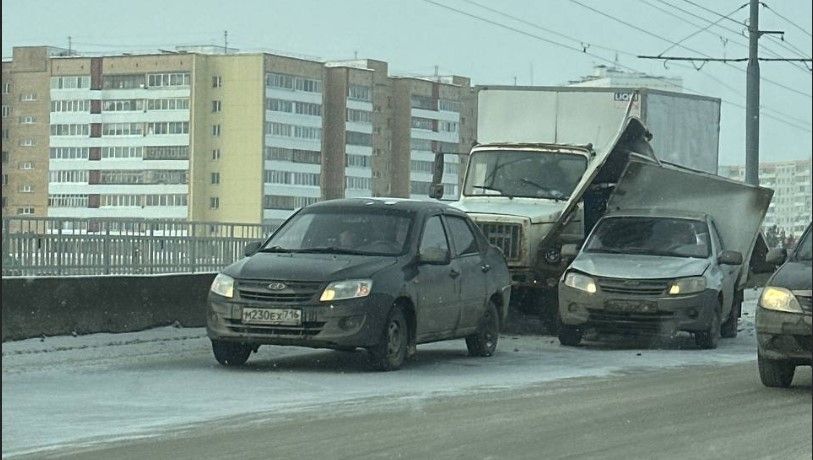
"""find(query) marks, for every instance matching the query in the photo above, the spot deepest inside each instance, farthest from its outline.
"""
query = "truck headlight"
(223, 285)
(349, 289)
(581, 282)
(687, 285)
(779, 299)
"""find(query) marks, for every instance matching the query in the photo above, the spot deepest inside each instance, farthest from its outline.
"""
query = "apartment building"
(207, 134)
(791, 208)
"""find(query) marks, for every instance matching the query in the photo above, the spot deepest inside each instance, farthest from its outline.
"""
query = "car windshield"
(524, 173)
(350, 231)
(804, 250)
(650, 236)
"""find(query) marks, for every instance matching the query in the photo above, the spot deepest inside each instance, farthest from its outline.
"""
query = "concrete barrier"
(34, 307)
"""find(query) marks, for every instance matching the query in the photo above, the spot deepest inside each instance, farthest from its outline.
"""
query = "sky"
(493, 42)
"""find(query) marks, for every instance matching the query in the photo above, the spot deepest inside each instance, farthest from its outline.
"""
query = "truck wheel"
(484, 341)
(729, 328)
(775, 373)
(710, 338)
(569, 336)
(231, 354)
(390, 352)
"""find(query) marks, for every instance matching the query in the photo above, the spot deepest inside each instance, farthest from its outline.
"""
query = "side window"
(434, 236)
(716, 237)
(464, 240)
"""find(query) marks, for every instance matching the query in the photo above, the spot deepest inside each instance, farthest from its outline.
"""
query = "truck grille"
(632, 287)
(294, 291)
(507, 237)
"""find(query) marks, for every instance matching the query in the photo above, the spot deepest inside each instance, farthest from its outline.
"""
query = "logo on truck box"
(624, 96)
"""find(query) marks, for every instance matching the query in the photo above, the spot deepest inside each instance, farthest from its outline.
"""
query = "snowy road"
(66, 392)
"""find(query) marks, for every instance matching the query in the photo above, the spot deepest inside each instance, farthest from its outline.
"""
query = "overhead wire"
(584, 51)
(659, 37)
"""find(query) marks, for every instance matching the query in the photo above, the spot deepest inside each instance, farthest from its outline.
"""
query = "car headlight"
(349, 289)
(581, 282)
(687, 285)
(223, 285)
(779, 299)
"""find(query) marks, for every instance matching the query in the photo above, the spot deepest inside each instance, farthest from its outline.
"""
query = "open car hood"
(737, 208)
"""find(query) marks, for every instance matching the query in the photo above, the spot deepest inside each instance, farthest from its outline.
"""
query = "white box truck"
(548, 158)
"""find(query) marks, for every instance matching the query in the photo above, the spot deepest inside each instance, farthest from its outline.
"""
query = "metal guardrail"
(48, 246)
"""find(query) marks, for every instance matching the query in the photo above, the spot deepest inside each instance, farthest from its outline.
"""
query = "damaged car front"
(650, 273)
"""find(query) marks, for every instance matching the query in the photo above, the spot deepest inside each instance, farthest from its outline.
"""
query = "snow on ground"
(62, 391)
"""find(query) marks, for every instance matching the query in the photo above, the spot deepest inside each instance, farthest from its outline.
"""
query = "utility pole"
(752, 99)
(225, 42)
(751, 87)
(69, 45)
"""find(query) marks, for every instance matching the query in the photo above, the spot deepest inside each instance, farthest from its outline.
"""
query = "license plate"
(631, 306)
(279, 316)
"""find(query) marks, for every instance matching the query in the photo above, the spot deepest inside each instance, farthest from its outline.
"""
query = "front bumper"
(340, 324)
(785, 336)
(662, 316)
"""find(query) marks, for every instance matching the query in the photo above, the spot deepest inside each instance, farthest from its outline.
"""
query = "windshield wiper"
(333, 250)
(275, 249)
(552, 193)
(488, 187)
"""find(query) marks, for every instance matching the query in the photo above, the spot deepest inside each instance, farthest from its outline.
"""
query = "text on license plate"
(631, 306)
(289, 316)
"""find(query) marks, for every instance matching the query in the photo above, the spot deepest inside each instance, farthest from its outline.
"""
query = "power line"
(633, 26)
(787, 20)
(581, 51)
(799, 66)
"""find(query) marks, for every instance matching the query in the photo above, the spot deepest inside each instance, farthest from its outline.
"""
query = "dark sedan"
(381, 274)
(785, 315)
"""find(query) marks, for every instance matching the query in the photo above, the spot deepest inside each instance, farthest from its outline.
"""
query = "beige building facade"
(204, 135)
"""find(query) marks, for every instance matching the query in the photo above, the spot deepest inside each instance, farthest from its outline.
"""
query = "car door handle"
(454, 273)
(485, 267)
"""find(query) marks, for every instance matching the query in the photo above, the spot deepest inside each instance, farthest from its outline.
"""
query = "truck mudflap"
(737, 208)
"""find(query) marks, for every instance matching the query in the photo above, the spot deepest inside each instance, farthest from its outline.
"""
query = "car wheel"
(710, 338)
(775, 373)
(390, 352)
(729, 327)
(569, 336)
(484, 341)
(231, 353)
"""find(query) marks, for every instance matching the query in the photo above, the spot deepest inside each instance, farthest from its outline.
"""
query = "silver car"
(652, 272)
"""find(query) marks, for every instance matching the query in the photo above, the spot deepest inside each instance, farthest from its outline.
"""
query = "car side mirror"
(252, 248)
(433, 256)
(776, 256)
(730, 258)
(570, 251)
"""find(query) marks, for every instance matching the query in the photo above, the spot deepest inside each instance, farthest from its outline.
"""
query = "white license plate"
(280, 316)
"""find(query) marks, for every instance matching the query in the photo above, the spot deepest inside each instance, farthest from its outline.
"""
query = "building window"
(69, 153)
(73, 105)
(72, 129)
(217, 106)
(423, 102)
(214, 202)
(167, 79)
(72, 176)
(216, 130)
(277, 177)
(360, 93)
(311, 179)
(120, 129)
(291, 82)
(68, 201)
(122, 105)
(174, 103)
(448, 106)
(217, 81)
(5, 180)
(358, 161)
(358, 183)
(293, 155)
(27, 120)
(121, 152)
(5, 156)
(355, 138)
(286, 202)
(27, 143)
(166, 152)
(359, 116)
(25, 211)
(27, 188)
(6, 111)
(6, 88)
(28, 97)
(70, 82)
(168, 127)
(215, 154)
(123, 81)
(215, 178)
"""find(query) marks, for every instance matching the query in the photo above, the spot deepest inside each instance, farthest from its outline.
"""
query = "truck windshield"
(522, 173)
(655, 236)
(805, 249)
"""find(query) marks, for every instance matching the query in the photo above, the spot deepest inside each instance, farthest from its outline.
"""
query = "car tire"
(569, 336)
(729, 327)
(775, 373)
(389, 354)
(709, 339)
(484, 341)
(231, 354)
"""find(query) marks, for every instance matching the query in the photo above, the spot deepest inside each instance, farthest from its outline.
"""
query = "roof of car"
(658, 212)
(390, 203)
